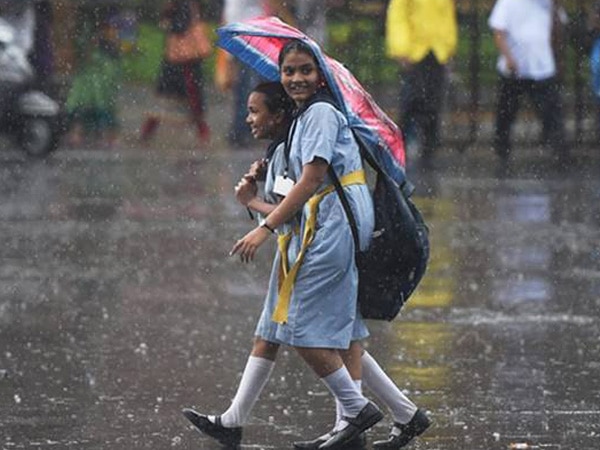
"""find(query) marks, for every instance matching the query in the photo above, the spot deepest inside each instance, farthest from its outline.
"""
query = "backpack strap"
(324, 97)
(346, 205)
(272, 147)
(288, 144)
(407, 188)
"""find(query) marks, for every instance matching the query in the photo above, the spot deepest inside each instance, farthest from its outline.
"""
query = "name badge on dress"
(283, 185)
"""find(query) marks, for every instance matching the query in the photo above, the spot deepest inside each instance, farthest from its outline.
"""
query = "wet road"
(119, 305)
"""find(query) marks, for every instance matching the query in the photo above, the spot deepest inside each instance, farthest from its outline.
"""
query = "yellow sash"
(287, 277)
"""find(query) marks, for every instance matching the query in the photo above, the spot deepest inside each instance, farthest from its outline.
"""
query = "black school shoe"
(228, 437)
(367, 417)
(357, 443)
(402, 434)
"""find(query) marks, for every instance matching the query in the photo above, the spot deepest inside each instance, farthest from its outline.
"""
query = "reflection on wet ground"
(119, 305)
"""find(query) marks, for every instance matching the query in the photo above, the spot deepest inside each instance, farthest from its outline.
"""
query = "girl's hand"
(258, 170)
(248, 245)
(245, 191)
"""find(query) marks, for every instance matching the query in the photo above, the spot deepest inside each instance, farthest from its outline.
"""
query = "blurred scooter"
(28, 116)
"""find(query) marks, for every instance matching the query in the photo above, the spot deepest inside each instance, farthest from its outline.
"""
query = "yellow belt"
(287, 277)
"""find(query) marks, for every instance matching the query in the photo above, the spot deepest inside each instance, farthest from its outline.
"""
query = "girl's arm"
(246, 194)
(313, 175)
(260, 206)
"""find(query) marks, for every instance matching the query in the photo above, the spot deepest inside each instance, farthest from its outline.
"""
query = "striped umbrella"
(257, 43)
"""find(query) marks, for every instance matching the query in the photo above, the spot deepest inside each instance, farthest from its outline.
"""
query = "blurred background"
(355, 35)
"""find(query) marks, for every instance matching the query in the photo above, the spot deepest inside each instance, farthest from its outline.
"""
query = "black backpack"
(390, 270)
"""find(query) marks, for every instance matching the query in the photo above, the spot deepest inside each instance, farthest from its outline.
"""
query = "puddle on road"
(119, 306)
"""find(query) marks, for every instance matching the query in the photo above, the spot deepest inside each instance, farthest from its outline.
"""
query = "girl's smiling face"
(263, 123)
(300, 76)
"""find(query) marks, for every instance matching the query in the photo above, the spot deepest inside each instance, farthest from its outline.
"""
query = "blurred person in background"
(91, 103)
(311, 18)
(422, 36)
(525, 33)
(180, 82)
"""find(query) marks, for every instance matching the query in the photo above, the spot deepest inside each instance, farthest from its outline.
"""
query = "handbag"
(191, 45)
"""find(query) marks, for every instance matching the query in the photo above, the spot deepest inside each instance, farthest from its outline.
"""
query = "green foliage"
(486, 52)
(142, 64)
(360, 46)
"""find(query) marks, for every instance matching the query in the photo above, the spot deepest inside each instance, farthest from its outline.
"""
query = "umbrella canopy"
(257, 43)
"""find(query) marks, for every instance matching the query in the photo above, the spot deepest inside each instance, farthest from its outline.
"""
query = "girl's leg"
(377, 381)
(409, 421)
(227, 428)
(359, 413)
(352, 360)
(254, 378)
(265, 349)
(328, 365)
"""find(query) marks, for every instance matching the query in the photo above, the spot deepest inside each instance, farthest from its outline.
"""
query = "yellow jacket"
(416, 27)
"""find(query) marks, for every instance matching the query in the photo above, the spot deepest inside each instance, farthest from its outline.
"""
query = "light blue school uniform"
(266, 328)
(323, 310)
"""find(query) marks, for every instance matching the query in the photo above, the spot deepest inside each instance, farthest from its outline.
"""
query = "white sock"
(345, 390)
(255, 376)
(377, 381)
(339, 410)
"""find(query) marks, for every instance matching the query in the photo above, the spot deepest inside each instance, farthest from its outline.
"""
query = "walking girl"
(311, 301)
(269, 115)
(316, 285)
